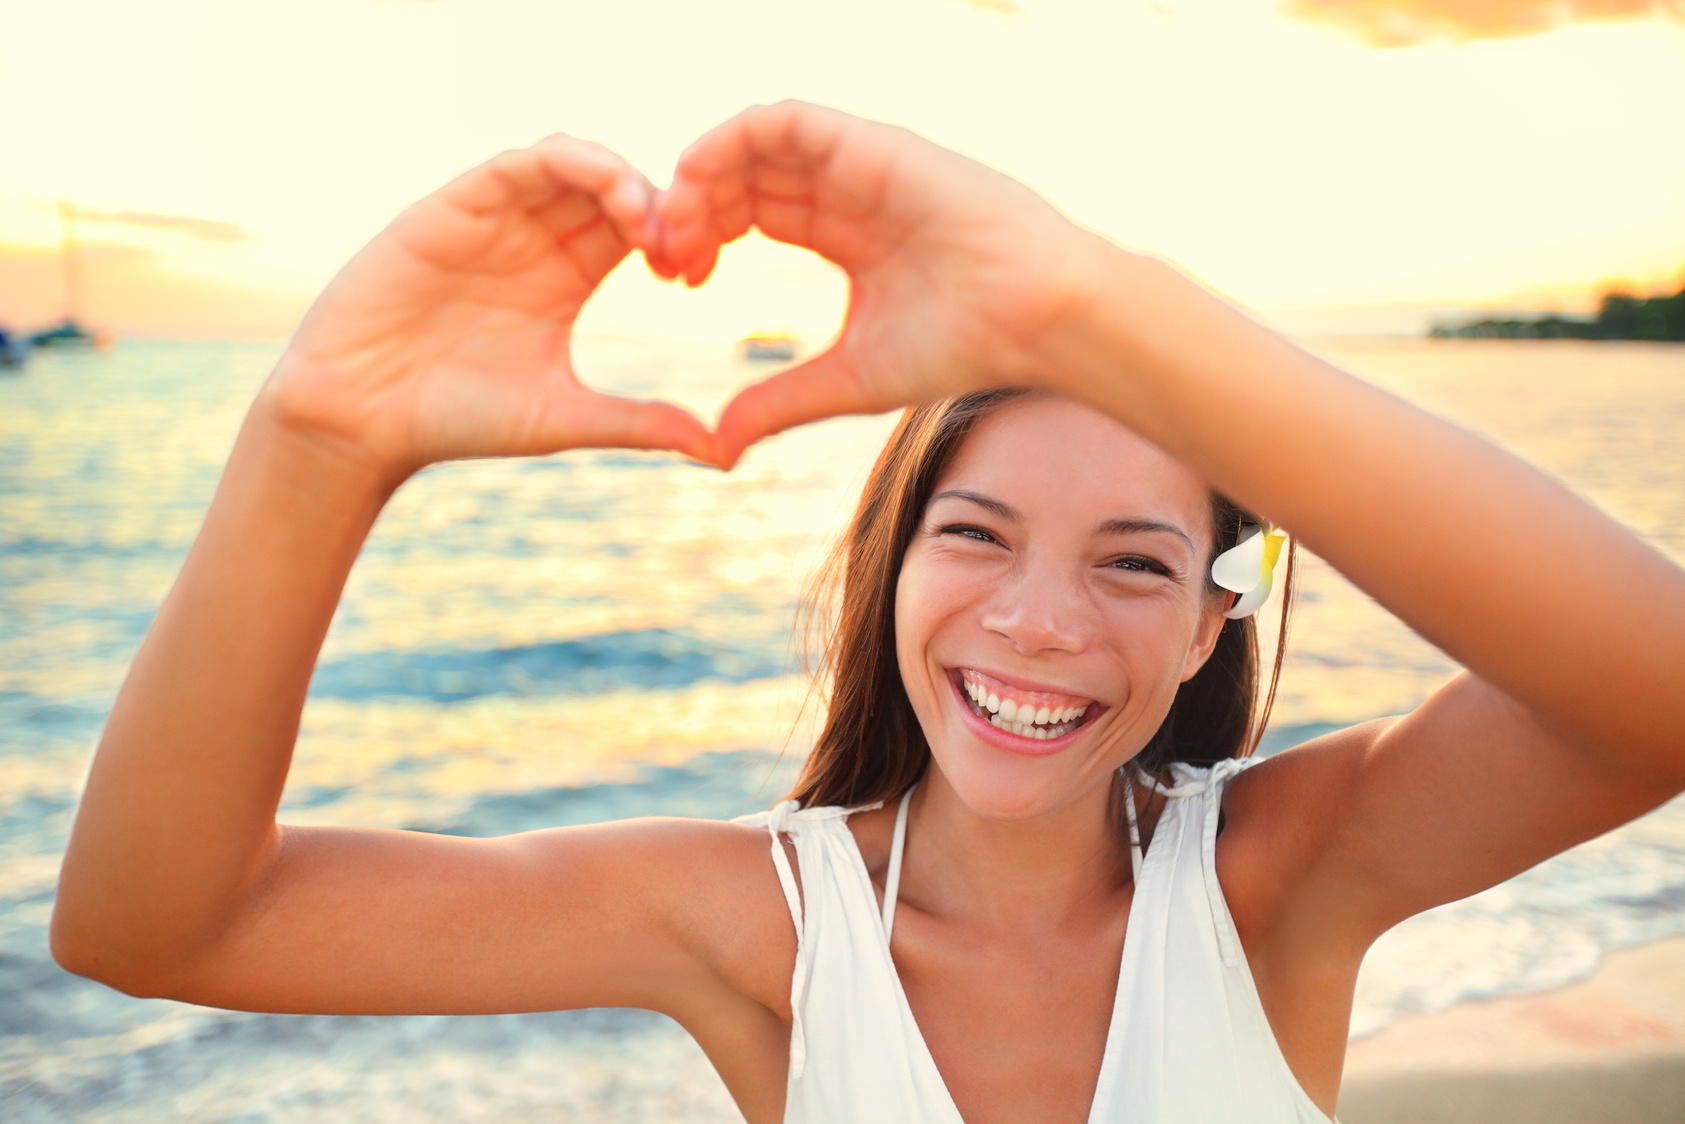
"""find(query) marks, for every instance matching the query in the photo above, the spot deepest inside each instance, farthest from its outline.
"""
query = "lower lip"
(1012, 743)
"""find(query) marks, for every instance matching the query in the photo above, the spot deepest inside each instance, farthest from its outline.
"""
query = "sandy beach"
(1608, 1048)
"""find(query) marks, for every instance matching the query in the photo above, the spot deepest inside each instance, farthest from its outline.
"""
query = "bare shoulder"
(1280, 815)
(713, 883)
(710, 893)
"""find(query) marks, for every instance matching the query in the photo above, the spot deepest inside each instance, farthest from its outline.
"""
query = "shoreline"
(1610, 1047)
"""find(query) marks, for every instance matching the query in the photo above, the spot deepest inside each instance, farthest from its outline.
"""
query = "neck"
(1031, 874)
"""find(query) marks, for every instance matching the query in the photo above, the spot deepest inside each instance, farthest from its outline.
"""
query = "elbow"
(81, 949)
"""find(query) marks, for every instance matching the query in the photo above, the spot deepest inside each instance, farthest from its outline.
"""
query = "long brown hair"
(872, 747)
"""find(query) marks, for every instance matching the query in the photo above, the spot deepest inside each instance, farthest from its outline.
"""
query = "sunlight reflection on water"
(604, 634)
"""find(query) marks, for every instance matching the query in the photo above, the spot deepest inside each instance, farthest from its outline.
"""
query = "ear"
(1211, 622)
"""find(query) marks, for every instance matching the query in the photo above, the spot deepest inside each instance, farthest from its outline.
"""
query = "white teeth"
(1023, 719)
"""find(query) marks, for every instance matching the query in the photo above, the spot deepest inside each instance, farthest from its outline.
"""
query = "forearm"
(178, 819)
(1502, 567)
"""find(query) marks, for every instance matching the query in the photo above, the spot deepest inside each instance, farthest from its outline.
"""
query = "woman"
(1050, 546)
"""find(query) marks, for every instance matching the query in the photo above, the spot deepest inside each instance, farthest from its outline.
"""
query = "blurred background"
(1476, 205)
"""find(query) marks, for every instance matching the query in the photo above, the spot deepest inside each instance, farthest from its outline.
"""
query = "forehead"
(1053, 454)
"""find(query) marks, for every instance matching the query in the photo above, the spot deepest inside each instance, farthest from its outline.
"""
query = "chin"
(1009, 789)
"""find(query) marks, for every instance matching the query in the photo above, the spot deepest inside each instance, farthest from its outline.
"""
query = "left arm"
(1571, 720)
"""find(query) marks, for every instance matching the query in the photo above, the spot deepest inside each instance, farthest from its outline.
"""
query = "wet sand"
(1609, 1048)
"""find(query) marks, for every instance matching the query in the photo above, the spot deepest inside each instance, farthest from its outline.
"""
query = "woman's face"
(1050, 603)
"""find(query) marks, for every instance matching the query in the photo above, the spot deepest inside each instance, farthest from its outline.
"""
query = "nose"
(1040, 608)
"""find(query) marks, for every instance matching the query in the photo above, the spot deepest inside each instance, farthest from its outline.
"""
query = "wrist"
(308, 417)
(1141, 338)
(1093, 340)
(320, 466)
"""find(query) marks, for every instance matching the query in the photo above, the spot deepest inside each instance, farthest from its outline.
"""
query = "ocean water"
(596, 635)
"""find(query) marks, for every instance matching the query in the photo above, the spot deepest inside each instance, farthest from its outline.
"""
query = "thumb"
(826, 386)
(607, 421)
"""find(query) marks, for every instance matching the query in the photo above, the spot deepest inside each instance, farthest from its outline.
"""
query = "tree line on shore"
(1622, 317)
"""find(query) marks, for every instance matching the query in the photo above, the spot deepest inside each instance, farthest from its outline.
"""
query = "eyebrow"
(1004, 510)
(1109, 527)
(1139, 526)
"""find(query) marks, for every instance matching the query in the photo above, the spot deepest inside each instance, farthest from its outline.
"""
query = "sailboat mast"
(70, 263)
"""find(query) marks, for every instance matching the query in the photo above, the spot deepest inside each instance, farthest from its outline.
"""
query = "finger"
(792, 133)
(700, 267)
(594, 251)
(589, 419)
(668, 265)
(530, 177)
(623, 192)
(551, 172)
(824, 387)
(716, 175)
(727, 215)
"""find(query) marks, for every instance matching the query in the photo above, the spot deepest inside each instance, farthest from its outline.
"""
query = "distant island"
(1622, 317)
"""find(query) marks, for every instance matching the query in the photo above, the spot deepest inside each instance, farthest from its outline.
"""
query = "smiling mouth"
(1038, 715)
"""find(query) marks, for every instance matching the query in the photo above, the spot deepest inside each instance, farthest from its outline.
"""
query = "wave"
(713, 786)
(644, 658)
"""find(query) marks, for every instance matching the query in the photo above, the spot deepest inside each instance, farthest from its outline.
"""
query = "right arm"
(446, 337)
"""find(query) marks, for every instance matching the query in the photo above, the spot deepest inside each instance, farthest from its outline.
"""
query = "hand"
(448, 335)
(956, 272)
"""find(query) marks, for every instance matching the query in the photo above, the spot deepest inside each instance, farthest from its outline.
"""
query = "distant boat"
(12, 351)
(775, 348)
(67, 333)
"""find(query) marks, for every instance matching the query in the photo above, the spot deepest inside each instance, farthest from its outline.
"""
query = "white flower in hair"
(1248, 568)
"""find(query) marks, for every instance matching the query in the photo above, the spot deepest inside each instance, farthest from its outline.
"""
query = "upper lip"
(1026, 685)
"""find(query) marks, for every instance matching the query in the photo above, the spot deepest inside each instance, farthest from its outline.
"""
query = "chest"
(1016, 1025)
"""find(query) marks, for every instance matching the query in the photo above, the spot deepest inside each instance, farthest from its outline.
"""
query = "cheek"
(1151, 637)
(930, 597)
(918, 612)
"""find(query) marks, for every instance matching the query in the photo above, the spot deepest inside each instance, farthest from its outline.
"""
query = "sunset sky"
(1387, 156)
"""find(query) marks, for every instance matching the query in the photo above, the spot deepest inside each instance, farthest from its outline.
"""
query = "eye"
(969, 530)
(1136, 563)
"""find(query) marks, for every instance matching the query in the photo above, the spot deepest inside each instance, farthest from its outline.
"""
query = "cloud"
(130, 290)
(206, 230)
(1405, 23)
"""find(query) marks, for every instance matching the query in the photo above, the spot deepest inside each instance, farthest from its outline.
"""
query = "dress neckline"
(886, 918)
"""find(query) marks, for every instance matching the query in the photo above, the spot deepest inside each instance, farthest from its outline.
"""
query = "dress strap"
(1189, 781)
(892, 879)
(775, 822)
(1192, 780)
(1129, 776)
(778, 820)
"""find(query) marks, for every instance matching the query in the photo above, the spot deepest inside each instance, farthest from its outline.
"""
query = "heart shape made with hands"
(956, 272)
(738, 411)
(819, 385)
(450, 334)
(953, 268)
